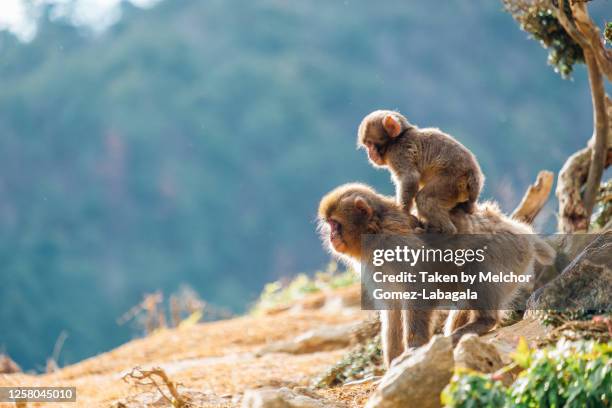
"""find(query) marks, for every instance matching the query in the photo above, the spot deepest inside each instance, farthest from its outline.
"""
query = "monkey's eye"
(336, 227)
(375, 146)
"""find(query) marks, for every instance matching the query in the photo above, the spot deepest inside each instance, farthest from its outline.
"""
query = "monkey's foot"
(441, 229)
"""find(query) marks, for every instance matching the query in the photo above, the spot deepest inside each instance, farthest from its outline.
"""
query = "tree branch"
(592, 35)
(600, 136)
(586, 165)
(535, 198)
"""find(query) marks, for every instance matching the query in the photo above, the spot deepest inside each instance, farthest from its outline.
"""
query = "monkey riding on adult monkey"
(426, 164)
(353, 210)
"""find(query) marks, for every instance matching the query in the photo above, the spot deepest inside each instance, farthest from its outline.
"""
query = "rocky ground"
(261, 361)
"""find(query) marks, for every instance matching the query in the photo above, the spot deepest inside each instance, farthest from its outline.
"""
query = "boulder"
(506, 339)
(417, 380)
(586, 283)
(475, 354)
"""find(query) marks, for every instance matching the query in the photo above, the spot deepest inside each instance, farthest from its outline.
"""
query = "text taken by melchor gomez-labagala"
(443, 271)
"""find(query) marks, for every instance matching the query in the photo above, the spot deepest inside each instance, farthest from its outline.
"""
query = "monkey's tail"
(544, 253)
(474, 184)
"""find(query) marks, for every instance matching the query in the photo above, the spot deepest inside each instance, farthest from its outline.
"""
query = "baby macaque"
(426, 164)
(352, 210)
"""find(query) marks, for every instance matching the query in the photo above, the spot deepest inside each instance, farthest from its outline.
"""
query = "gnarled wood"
(573, 174)
(585, 166)
(535, 197)
(592, 35)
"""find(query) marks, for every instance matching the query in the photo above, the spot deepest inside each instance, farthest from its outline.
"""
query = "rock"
(418, 380)
(506, 339)
(8, 366)
(473, 353)
(322, 339)
(585, 283)
(283, 398)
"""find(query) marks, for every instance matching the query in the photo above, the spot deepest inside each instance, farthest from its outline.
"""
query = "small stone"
(322, 339)
(282, 398)
(475, 354)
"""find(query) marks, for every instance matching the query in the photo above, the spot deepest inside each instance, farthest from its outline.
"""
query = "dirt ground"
(218, 361)
(215, 359)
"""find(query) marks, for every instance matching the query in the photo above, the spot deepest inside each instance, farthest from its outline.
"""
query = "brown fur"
(359, 210)
(427, 165)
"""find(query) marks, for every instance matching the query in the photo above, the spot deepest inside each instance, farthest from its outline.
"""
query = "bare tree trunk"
(535, 198)
(600, 136)
(585, 166)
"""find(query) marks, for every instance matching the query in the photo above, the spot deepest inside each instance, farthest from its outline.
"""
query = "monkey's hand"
(415, 224)
(406, 205)
(407, 189)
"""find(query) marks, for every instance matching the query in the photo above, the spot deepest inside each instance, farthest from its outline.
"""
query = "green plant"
(570, 374)
(473, 389)
(608, 32)
(542, 24)
(362, 362)
(603, 210)
(277, 293)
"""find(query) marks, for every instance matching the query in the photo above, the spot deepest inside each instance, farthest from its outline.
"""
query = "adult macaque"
(352, 210)
(426, 164)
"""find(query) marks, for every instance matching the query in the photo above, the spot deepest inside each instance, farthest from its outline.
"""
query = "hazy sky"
(20, 17)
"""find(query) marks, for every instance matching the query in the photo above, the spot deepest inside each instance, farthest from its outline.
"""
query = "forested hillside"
(190, 144)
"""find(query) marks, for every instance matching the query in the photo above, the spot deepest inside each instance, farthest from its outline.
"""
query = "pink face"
(335, 236)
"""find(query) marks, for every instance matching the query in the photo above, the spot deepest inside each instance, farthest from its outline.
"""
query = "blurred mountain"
(190, 144)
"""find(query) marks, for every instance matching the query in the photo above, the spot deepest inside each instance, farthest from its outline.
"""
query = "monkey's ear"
(362, 205)
(392, 125)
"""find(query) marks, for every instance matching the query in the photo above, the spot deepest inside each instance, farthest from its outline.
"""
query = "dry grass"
(213, 358)
(351, 395)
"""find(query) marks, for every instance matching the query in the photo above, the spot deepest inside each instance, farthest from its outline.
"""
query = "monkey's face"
(375, 153)
(342, 221)
(375, 133)
(336, 237)
(374, 139)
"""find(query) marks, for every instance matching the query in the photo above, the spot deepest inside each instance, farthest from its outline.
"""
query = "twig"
(146, 377)
(52, 362)
(599, 329)
(59, 344)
